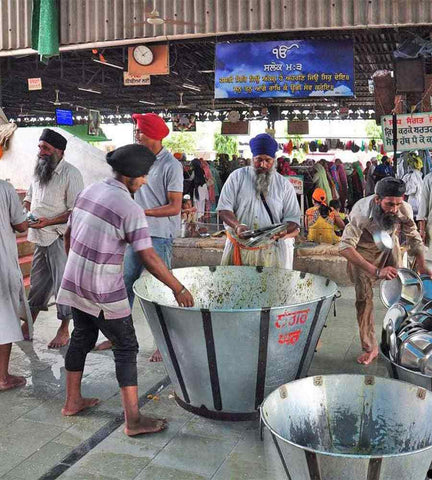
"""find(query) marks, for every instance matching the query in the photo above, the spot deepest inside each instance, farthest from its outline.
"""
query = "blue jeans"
(133, 267)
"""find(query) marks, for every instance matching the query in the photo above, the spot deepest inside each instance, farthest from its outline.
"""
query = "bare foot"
(61, 339)
(156, 357)
(73, 408)
(25, 331)
(12, 381)
(367, 357)
(146, 425)
(106, 345)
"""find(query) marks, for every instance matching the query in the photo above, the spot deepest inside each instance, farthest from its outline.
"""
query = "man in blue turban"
(257, 197)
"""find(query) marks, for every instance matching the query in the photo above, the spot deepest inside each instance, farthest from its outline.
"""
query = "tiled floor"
(35, 438)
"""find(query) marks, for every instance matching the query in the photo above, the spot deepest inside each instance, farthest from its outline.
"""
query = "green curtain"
(80, 131)
(45, 28)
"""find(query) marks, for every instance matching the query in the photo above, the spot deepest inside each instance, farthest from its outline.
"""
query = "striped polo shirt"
(104, 220)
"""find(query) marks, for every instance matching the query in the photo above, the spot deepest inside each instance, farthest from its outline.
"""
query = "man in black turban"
(105, 219)
(386, 211)
(131, 164)
(50, 198)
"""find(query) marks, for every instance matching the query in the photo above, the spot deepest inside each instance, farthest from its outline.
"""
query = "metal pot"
(251, 330)
(401, 373)
(406, 288)
(339, 427)
(412, 350)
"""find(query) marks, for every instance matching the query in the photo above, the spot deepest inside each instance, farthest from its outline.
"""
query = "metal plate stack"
(407, 325)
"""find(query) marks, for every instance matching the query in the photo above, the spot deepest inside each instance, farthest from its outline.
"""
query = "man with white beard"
(50, 200)
(257, 197)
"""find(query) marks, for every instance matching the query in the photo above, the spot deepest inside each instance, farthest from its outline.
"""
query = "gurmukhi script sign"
(414, 131)
(285, 68)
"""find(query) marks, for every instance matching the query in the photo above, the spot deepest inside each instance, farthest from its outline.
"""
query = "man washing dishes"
(385, 211)
(257, 197)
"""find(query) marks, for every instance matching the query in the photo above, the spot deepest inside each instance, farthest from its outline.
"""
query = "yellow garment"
(322, 231)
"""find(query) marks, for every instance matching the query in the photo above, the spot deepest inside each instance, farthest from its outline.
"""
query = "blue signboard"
(64, 117)
(294, 68)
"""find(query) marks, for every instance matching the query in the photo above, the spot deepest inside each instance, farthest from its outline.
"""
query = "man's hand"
(41, 223)
(184, 298)
(240, 229)
(388, 273)
(285, 234)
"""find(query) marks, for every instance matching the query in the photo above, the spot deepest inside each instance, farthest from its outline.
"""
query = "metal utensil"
(397, 313)
(406, 288)
(412, 350)
(383, 240)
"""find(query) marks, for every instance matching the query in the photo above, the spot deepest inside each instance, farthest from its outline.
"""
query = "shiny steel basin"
(341, 427)
(251, 330)
(406, 289)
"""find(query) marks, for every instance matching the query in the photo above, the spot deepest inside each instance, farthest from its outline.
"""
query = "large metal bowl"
(343, 427)
(251, 330)
(401, 373)
(406, 288)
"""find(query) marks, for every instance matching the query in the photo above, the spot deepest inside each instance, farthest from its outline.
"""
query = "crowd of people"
(93, 243)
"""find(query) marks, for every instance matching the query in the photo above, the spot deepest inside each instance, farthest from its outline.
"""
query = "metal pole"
(394, 141)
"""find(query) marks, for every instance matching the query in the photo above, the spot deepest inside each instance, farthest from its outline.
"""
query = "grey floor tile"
(80, 432)
(41, 461)
(9, 458)
(76, 475)
(118, 465)
(194, 453)
(27, 436)
(155, 472)
(214, 428)
(239, 467)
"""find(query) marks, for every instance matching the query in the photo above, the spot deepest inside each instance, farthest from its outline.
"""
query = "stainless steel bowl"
(383, 240)
(412, 350)
(397, 314)
(406, 288)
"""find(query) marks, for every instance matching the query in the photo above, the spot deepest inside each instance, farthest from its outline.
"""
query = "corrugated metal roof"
(85, 22)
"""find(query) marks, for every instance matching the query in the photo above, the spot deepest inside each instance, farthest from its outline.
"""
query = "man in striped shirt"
(104, 220)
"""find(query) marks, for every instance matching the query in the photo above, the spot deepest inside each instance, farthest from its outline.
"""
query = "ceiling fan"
(182, 105)
(153, 17)
(57, 102)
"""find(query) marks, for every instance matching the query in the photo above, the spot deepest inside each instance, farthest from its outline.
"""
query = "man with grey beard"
(50, 200)
(385, 211)
(257, 197)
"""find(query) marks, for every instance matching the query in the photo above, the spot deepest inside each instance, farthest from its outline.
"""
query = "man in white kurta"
(241, 207)
(13, 304)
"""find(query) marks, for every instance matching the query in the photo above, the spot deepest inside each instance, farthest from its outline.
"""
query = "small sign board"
(235, 128)
(34, 84)
(414, 131)
(298, 127)
(297, 182)
(130, 80)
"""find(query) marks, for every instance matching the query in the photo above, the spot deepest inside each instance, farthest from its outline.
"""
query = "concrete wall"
(17, 163)
(194, 252)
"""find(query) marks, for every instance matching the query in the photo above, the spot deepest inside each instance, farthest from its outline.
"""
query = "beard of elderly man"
(45, 166)
(264, 166)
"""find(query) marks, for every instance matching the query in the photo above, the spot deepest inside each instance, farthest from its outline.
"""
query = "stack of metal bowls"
(407, 326)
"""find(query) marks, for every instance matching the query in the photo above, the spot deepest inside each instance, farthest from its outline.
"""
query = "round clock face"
(143, 55)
